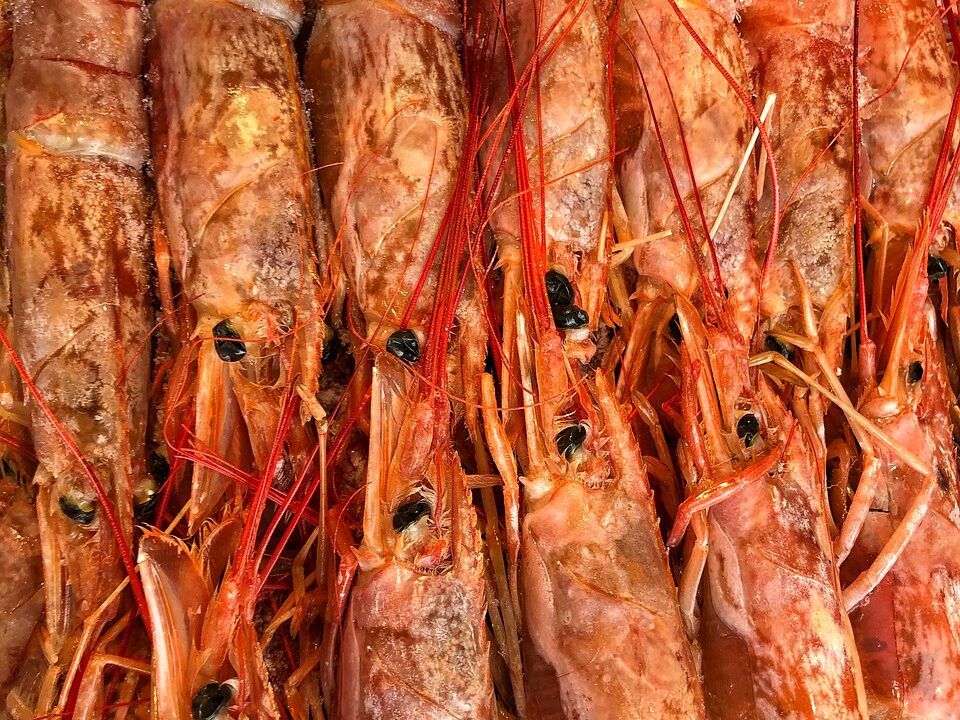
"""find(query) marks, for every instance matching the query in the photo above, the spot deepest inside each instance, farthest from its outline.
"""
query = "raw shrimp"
(77, 223)
(240, 211)
(602, 626)
(207, 656)
(906, 627)
(774, 636)
(391, 122)
(388, 117)
(20, 564)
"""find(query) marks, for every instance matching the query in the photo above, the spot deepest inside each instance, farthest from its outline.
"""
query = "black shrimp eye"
(915, 372)
(159, 467)
(937, 267)
(675, 328)
(82, 513)
(408, 513)
(570, 439)
(748, 427)
(228, 344)
(210, 701)
(559, 289)
(404, 345)
(143, 511)
(570, 317)
(771, 343)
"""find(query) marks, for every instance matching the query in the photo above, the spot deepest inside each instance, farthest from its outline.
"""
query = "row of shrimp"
(547, 359)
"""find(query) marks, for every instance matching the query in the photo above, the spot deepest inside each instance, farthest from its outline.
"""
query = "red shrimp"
(239, 209)
(77, 216)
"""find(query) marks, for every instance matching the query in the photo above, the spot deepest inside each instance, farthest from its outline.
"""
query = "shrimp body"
(202, 632)
(414, 644)
(906, 629)
(77, 215)
(776, 640)
(600, 607)
(775, 637)
(389, 120)
(239, 207)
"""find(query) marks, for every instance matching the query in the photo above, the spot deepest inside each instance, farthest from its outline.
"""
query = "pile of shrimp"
(479, 359)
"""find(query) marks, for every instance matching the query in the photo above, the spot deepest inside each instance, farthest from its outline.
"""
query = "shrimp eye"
(937, 267)
(227, 344)
(403, 344)
(570, 317)
(570, 439)
(776, 346)
(331, 345)
(210, 701)
(408, 513)
(915, 372)
(159, 467)
(143, 511)
(559, 289)
(675, 328)
(82, 513)
(748, 427)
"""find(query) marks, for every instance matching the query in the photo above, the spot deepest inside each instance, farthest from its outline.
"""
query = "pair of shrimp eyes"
(83, 512)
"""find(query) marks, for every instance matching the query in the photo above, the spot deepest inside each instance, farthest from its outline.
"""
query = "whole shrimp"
(207, 655)
(413, 637)
(765, 545)
(906, 625)
(77, 226)
(682, 130)
(240, 211)
(801, 51)
(774, 634)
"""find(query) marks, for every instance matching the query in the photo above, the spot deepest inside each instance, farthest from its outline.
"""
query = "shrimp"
(391, 120)
(77, 215)
(602, 631)
(21, 573)
(242, 220)
(681, 123)
(388, 143)
(906, 626)
(764, 549)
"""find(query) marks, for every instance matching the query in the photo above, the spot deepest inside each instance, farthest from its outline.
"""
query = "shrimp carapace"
(771, 596)
(246, 233)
